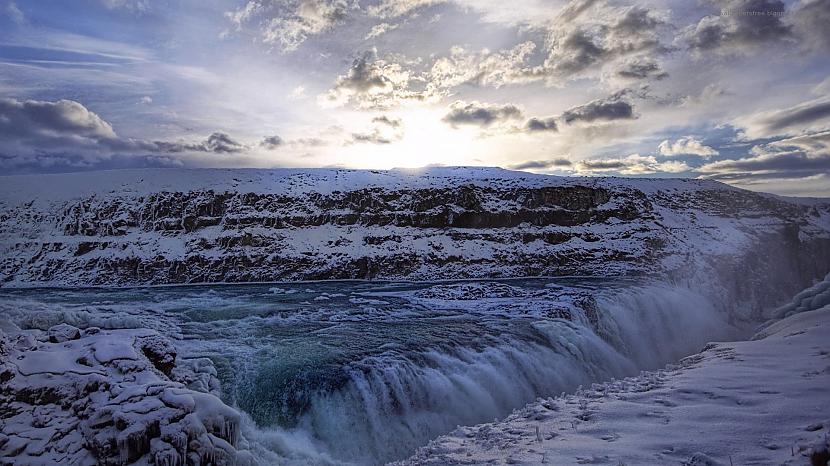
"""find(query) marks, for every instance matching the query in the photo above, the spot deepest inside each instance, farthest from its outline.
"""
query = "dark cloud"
(272, 142)
(576, 52)
(635, 20)
(373, 83)
(373, 138)
(542, 164)
(385, 130)
(819, 141)
(480, 114)
(634, 164)
(217, 143)
(802, 156)
(385, 120)
(810, 22)
(45, 131)
(308, 142)
(363, 76)
(785, 164)
(220, 143)
(603, 164)
(52, 123)
(740, 25)
(61, 162)
(797, 117)
(609, 109)
(641, 70)
(602, 39)
(541, 124)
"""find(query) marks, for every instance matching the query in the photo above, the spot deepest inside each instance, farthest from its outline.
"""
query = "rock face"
(117, 397)
(192, 226)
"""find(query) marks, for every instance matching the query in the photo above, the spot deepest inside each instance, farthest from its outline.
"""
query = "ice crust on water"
(92, 396)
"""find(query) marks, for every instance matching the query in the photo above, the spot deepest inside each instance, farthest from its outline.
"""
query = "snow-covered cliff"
(185, 226)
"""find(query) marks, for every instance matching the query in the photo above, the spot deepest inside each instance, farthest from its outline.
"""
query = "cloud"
(634, 164)
(542, 164)
(387, 9)
(38, 127)
(52, 123)
(372, 83)
(785, 164)
(810, 20)
(798, 157)
(809, 142)
(641, 69)
(608, 109)
(14, 13)
(484, 68)
(135, 6)
(576, 42)
(811, 115)
(61, 162)
(541, 124)
(579, 41)
(688, 145)
(297, 93)
(740, 26)
(479, 114)
(218, 143)
(290, 23)
(385, 130)
(385, 120)
(373, 137)
(380, 29)
(272, 142)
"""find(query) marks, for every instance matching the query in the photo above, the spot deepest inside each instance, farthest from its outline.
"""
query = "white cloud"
(688, 145)
(380, 29)
(297, 93)
(634, 164)
(14, 13)
(394, 8)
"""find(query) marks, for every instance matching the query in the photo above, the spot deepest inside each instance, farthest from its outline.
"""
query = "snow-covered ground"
(759, 402)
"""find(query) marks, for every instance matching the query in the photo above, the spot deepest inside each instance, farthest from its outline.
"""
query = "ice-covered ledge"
(70, 396)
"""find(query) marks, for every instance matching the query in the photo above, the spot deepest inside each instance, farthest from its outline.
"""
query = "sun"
(423, 140)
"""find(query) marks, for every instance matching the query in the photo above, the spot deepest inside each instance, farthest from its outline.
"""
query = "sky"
(734, 90)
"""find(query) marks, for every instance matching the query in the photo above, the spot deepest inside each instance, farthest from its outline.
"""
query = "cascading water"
(384, 406)
(364, 373)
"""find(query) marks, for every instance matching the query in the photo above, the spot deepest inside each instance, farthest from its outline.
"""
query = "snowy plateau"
(433, 316)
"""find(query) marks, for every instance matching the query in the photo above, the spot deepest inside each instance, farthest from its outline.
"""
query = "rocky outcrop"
(118, 397)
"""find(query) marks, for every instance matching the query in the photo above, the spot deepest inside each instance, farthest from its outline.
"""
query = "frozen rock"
(159, 351)
(107, 397)
(63, 332)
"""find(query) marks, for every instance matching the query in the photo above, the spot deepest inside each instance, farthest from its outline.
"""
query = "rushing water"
(364, 372)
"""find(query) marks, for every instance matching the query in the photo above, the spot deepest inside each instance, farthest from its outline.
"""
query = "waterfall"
(386, 405)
